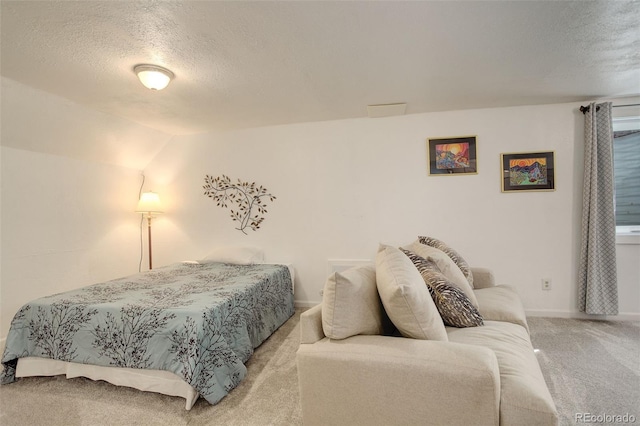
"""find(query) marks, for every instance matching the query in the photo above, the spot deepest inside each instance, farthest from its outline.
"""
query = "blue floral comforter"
(199, 321)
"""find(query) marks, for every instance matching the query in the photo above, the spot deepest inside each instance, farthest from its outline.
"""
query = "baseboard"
(623, 316)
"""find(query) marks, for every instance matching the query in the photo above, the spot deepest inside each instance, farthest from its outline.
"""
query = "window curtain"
(597, 285)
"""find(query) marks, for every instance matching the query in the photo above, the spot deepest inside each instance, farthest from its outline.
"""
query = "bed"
(185, 329)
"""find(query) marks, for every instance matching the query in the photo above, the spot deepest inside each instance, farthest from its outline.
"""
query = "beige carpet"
(590, 367)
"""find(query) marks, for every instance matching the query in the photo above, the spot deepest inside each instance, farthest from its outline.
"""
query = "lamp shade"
(149, 203)
(153, 76)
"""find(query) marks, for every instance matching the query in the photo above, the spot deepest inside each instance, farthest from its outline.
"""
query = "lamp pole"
(149, 230)
(149, 205)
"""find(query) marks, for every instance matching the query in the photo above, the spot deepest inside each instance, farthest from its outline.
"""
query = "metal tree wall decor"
(248, 198)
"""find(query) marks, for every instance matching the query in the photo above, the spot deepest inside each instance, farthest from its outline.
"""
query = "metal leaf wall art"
(248, 198)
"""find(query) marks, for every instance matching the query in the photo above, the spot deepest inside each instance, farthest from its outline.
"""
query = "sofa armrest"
(364, 380)
(483, 277)
(311, 325)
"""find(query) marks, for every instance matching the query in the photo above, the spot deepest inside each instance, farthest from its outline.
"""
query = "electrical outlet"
(546, 283)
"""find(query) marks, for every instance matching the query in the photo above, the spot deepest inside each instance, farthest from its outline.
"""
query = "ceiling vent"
(386, 110)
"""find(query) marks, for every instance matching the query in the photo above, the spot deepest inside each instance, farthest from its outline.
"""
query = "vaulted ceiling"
(246, 64)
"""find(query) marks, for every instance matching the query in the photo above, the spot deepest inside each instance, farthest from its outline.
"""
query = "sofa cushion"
(501, 303)
(351, 304)
(446, 265)
(454, 255)
(524, 396)
(454, 306)
(405, 297)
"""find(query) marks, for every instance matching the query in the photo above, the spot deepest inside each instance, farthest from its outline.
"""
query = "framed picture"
(528, 171)
(452, 156)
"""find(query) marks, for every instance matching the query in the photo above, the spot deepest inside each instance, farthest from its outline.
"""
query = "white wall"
(344, 186)
(628, 263)
(70, 178)
(37, 121)
(65, 223)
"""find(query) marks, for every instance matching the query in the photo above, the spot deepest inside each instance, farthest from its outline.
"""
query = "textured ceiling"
(245, 64)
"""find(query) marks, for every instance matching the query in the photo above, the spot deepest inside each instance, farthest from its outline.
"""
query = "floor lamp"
(149, 205)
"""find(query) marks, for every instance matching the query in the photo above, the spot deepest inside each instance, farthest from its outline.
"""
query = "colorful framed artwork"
(452, 156)
(528, 171)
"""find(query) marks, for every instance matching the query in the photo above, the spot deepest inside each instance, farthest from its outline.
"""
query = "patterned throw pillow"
(454, 306)
(454, 255)
(446, 266)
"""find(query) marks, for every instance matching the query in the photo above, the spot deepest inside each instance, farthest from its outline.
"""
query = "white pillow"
(237, 255)
(351, 304)
(406, 297)
(447, 266)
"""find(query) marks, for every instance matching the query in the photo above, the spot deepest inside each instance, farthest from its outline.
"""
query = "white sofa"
(484, 375)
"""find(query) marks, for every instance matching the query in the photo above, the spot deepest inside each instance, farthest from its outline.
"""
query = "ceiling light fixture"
(153, 76)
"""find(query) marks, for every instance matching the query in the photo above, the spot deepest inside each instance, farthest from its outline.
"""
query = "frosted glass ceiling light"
(153, 76)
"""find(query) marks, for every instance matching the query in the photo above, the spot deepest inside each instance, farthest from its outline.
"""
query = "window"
(626, 161)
